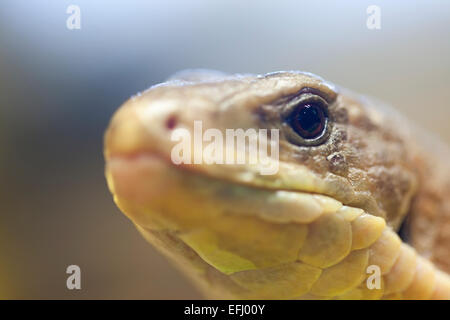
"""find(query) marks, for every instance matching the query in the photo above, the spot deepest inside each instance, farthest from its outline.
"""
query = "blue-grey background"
(59, 87)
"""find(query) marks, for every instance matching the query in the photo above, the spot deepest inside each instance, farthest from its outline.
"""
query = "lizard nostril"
(171, 122)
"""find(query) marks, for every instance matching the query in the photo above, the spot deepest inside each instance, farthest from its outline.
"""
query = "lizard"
(358, 209)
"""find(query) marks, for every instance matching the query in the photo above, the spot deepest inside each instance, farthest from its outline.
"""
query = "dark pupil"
(308, 121)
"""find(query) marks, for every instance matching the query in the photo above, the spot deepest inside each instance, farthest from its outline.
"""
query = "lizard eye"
(306, 121)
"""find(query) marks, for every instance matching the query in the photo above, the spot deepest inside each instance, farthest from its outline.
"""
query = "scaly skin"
(311, 230)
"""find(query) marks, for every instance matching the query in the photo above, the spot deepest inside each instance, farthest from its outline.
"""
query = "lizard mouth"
(232, 226)
(148, 177)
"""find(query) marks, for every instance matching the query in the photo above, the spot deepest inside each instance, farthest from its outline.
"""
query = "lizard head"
(335, 152)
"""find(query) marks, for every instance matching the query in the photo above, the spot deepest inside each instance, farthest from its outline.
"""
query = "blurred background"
(59, 88)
